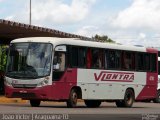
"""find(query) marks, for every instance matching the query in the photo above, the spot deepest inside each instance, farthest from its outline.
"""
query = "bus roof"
(78, 42)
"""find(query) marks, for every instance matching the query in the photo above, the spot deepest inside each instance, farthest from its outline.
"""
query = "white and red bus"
(157, 99)
(67, 69)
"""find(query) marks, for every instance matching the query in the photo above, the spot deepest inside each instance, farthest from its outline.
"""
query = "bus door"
(58, 74)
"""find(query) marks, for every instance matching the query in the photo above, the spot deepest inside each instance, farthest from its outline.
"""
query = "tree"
(103, 38)
(3, 57)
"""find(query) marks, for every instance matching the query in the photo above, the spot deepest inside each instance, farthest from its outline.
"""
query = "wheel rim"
(74, 98)
(129, 99)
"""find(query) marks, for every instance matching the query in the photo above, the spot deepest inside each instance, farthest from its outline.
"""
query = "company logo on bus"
(114, 76)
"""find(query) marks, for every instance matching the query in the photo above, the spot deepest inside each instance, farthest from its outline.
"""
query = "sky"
(133, 22)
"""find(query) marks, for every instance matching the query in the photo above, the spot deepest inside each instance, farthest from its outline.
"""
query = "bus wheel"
(120, 103)
(128, 98)
(157, 99)
(73, 97)
(92, 103)
(35, 103)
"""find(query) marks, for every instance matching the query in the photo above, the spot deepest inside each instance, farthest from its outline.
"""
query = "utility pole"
(30, 13)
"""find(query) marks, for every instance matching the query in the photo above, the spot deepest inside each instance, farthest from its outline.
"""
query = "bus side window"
(77, 57)
(140, 61)
(147, 62)
(127, 60)
(62, 62)
(97, 58)
(111, 59)
(74, 56)
(82, 57)
(59, 61)
(101, 58)
(153, 59)
(58, 65)
(117, 59)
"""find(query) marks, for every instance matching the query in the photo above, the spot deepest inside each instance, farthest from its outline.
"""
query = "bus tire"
(35, 103)
(128, 98)
(73, 97)
(147, 101)
(157, 99)
(120, 103)
(92, 103)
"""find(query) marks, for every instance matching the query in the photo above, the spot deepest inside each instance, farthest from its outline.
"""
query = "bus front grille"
(23, 95)
(24, 85)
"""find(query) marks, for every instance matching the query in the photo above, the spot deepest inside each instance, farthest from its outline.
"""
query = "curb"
(3, 99)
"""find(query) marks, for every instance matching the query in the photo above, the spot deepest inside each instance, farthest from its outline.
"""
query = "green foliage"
(103, 38)
(3, 57)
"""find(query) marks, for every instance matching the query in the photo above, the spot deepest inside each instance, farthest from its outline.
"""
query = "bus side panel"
(62, 87)
(150, 89)
(97, 87)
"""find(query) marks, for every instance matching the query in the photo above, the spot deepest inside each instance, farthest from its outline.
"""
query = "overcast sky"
(135, 22)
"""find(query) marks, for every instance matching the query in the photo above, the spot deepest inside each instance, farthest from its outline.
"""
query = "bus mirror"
(61, 48)
(56, 67)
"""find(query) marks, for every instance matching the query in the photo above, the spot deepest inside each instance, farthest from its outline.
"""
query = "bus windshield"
(29, 60)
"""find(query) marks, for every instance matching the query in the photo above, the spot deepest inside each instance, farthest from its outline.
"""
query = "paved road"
(139, 111)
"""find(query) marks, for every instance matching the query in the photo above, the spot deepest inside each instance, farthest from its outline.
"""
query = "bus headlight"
(43, 83)
(158, 80)
(7, 83)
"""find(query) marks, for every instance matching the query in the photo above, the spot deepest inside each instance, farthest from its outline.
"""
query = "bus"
(68, 69)
(157, 99)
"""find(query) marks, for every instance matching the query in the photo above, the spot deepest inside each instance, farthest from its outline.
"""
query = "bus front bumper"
(42, 93)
